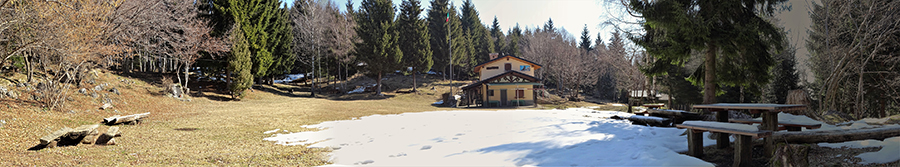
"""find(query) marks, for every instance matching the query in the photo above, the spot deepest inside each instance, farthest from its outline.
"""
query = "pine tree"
(585, 43)
(480, 41)
(599, 44)
(733, 35)
(239, 64)
(283, 38)
(549, 25)
(379, 47)
(438, 16)
(512, 47)
(497, 36)
(260, 24)
(784, 74)
(461, 57)
(414, 39)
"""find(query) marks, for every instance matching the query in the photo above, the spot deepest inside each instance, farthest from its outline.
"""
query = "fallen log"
(82, 130)
(46, 140)
(677, 116)
(125, 119)
(650, 121)
(836, 136)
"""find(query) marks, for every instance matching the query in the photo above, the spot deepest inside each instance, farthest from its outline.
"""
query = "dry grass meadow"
(206, 131)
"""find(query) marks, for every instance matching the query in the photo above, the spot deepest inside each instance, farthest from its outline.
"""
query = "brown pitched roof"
(510, 72)
(535, 65)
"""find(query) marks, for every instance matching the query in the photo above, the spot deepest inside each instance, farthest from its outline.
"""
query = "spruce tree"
(260, 23)
(239, 64)
(497, 36)
(480, 41)
(585, 43)
(548, 26)
(514, 35)
(438, 31)
(283, 36)
(414, 39)
(379, 47)
(599, 44)
(462, 48)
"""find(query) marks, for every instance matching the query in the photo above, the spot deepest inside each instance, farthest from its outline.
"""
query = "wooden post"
(487, 97)
(770, 122)
(534, 96)
(742, 150)
(722, 138)
(695, 143)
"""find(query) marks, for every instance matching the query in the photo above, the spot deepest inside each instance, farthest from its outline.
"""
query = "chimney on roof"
(493, 55)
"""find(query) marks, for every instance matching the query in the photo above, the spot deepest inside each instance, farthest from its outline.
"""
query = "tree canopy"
(737, 41)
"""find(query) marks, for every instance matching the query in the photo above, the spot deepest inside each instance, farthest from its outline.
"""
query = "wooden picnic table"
(653, 106)
(769, 118)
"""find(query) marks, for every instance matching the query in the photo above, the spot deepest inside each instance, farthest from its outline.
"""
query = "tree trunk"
(709, 81)
(28, 67)
(836, 136)
(414, 81)
(187, 90)
(378, 83)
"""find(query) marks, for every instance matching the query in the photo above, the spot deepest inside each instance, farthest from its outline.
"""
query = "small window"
(507, 66)
(520, 94)
(490, 92)
(493, 68)
(525, 68)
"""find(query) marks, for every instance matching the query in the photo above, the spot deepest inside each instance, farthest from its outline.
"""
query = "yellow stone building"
(504, 81)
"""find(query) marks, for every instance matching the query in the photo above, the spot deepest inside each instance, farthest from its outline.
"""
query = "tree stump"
(793, 155)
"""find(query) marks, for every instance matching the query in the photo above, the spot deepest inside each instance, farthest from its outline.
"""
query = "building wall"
(510, 94)
(485, 73)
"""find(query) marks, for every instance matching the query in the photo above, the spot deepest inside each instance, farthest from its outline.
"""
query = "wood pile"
(89, 134)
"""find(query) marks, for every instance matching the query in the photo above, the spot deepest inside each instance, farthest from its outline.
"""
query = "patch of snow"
(859, 125)
(649, 117)
(357, 90)
(853, 144)
(888, 153)
(497, 138)
(618, 105)
(271, 131)
(735, 126)
(289, 77)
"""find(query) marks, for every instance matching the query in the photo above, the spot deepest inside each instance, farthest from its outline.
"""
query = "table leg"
(742, 150)
(722, 139)
(695, 143)
(770, 122)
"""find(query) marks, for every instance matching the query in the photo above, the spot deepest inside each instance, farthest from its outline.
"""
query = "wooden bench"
(789, 126)
(653, 106)
(743, 144)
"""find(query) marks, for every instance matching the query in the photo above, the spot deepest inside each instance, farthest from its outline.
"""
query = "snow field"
(572, 137)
